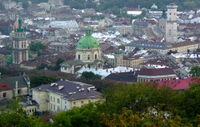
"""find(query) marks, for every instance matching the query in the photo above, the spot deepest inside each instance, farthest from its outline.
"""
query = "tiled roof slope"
(71, 90)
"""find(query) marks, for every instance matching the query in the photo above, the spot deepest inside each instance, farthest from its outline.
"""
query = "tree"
(137, 97)
(37, 80)
(42, 66)
(37, 46)
(86, 116)
(12, 115)
(90, 76)
(143, 119)
(188, 102)
(195, 71)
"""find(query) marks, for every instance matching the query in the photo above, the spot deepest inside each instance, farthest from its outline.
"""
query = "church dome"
(154, 6)
(88, 41)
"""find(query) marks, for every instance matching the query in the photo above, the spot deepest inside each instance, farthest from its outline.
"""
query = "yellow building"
(128, 61)
(64, 95)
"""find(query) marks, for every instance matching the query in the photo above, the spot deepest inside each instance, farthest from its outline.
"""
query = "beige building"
(88, 54)
(64, 95)
(124, 29)
(128, 61)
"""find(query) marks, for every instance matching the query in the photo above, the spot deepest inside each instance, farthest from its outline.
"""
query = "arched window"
(88, 57)
(95, 56)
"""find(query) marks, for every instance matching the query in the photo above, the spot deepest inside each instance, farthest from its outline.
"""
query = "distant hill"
(106, 4)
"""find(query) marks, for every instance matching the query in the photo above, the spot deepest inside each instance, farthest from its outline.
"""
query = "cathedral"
(20, 45)
(88, 54)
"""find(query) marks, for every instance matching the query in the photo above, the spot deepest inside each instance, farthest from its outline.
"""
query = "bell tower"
(171, 24)
(20, 44)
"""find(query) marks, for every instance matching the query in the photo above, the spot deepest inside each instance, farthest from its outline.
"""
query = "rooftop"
(156, 72)
(178, 84)
(71, 90)
(88, 41)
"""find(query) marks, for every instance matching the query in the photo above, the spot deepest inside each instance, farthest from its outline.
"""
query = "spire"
(20, 28)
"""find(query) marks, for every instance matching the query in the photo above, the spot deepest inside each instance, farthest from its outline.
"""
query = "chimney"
(16, 88)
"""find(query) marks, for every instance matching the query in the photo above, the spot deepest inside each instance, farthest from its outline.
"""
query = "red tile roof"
(5, 86)
(179, 84)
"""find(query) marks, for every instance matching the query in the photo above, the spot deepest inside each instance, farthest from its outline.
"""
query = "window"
(53, 99)
(58, 100)
(4, 95)
(82, 102)
(88, 57)
(58, 108)
(95, 56)
(74, 103)
(79, 57)
(19, 91)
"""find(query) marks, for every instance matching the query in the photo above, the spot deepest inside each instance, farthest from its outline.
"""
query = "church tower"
(171, 24)
(20, 45)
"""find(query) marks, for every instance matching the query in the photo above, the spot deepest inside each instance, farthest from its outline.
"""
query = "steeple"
(20, 28)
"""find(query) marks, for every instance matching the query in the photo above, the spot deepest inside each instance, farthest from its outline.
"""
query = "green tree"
(137, 97)
(86, 116)
(195, 71)
(143, 119)
(42, 66)
(37, 46)
(90, 76)
(37, 80)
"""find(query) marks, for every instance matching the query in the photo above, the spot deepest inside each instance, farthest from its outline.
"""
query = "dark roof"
(141, 23)
(123, 77)
(12, 81)
(71, 90)
(149, 45)
(156, 72)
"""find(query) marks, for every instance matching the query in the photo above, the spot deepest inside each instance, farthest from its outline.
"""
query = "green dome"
(88, 41)
(154, 6)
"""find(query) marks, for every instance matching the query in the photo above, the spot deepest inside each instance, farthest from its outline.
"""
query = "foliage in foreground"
(136, 105)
